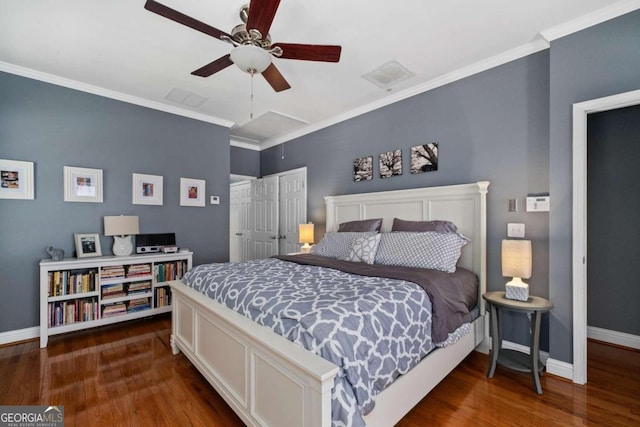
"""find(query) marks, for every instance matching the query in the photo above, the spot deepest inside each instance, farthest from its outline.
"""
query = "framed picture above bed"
(192, 192)
(424, 158)
(363, 169)
(391, 164)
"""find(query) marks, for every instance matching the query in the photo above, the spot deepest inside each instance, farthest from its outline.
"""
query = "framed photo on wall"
(192, 192)
(391, 164)
(147, 189)
(424, 158)
(82, 185)
(87, 245)
(16, 179)
(363, 169)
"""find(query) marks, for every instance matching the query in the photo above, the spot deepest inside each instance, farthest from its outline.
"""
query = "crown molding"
(589, 20)
(249, 144)
(107, 93)
(536, 45)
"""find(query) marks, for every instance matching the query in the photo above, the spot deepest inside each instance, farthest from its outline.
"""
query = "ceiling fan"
(253, 50)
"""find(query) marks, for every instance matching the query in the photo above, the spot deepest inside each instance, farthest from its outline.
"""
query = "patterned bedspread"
(374, 329)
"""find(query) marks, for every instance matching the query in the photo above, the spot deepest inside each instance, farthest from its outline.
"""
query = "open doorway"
(579, 258)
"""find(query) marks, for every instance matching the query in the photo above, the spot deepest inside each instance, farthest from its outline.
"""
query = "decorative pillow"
(437, 251)
(362, 225)
(364, 249)
(337, 245)
(435, 225)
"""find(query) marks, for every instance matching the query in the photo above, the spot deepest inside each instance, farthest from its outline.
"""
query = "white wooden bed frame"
(270, 381)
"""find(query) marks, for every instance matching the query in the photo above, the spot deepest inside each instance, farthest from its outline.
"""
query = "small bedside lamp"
(305, 234)
(121, 228)
(516, 263)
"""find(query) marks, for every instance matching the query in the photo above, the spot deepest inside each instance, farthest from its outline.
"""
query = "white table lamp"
(121, 228)
(516, 263)
(305, 235)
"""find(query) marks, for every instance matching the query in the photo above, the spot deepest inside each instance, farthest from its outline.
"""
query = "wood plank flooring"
(125, 375)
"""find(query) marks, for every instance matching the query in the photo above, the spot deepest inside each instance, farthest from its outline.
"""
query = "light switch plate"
(515, 229)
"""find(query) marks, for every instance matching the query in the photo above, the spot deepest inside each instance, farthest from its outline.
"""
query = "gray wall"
(613, 225)
(54, 127)
(491, 126)
(245, 162)
(600, 61)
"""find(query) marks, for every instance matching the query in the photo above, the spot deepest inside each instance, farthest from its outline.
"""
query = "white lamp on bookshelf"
(121, 228)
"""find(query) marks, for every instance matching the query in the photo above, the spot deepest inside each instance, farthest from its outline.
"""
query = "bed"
(269, 380)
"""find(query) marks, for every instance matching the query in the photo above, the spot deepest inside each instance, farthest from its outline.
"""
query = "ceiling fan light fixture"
(251, 59)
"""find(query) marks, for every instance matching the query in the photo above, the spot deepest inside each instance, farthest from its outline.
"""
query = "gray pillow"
(438, 226)
(364, 249)
(361, 225)
(437, 251)
(337, 245)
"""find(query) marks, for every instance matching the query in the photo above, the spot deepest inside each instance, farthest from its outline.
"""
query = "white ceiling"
(117, 48)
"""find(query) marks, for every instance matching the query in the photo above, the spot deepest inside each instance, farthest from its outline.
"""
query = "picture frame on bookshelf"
(16, 179)
(192, 192)
(147, 189)
(87, 245)
(82, 185)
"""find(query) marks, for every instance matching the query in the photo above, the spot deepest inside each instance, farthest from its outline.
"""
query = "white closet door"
(293, 209)
(265, 217)
(240, 222)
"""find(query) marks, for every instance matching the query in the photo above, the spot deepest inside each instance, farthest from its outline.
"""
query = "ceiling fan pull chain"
(251, 111)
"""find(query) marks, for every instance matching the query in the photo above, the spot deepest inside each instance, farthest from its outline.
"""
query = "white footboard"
(266, 379)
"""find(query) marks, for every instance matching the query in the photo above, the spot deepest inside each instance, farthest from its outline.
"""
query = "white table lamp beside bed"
(305, 235)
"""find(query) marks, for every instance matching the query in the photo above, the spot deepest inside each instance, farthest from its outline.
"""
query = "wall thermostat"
(538, 204)
(215, 200)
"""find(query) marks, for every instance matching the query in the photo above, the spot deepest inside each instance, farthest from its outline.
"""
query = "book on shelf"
(72, 311)
(68, 282)
(115, 290)
(172, 270)
(139, 304)
(138, 287)
(114, 309)
(112, 272)
(136, 270)
(163, 297)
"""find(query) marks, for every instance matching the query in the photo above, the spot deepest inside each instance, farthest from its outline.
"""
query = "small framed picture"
(87, 245)
(391, 164)
(192, 192)
(147, 189)
(363, 169)
(424, 158)
(16, 179)
(82, 185)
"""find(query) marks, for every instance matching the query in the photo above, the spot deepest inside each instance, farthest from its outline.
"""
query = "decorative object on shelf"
(147, 189)
(363, 169)
(16, 179)
(516, 263)
(305, 235)
(121, 228)
(82, 185)
(424, 158)
(87, 245)
(55, 253)
(391, 164)
(192, 192)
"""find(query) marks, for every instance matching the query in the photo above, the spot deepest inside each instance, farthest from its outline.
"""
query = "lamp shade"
(250, 59)
(516, 258)
(121, 225)
(305, 233)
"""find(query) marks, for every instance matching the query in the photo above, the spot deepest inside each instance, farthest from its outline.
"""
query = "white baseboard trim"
(560, 368)
(19, 335)
(614, 337)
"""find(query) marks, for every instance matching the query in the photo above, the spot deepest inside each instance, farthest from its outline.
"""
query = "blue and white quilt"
(374, 329)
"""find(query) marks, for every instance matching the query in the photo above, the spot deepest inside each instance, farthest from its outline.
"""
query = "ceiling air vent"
(388, 75)
(185, 97)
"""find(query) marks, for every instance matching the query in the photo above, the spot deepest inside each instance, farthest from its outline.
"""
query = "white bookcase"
(77, 294)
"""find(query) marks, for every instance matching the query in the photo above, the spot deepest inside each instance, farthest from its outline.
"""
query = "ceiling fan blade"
(181, 18)
(275, 79)
(310, 52)
(213, 67)
(261, 14)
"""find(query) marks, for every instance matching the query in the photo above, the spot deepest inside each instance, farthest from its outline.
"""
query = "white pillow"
(338, 245)
(364, 249)
(429, 249)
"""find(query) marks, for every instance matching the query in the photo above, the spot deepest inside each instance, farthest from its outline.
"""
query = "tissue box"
(517, 291)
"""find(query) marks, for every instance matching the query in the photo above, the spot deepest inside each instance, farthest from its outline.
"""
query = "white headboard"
(465, 205)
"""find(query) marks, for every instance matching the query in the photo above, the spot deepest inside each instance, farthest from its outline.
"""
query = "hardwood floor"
(126, 375)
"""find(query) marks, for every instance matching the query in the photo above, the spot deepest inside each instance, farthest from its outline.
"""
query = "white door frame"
(579, 258)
